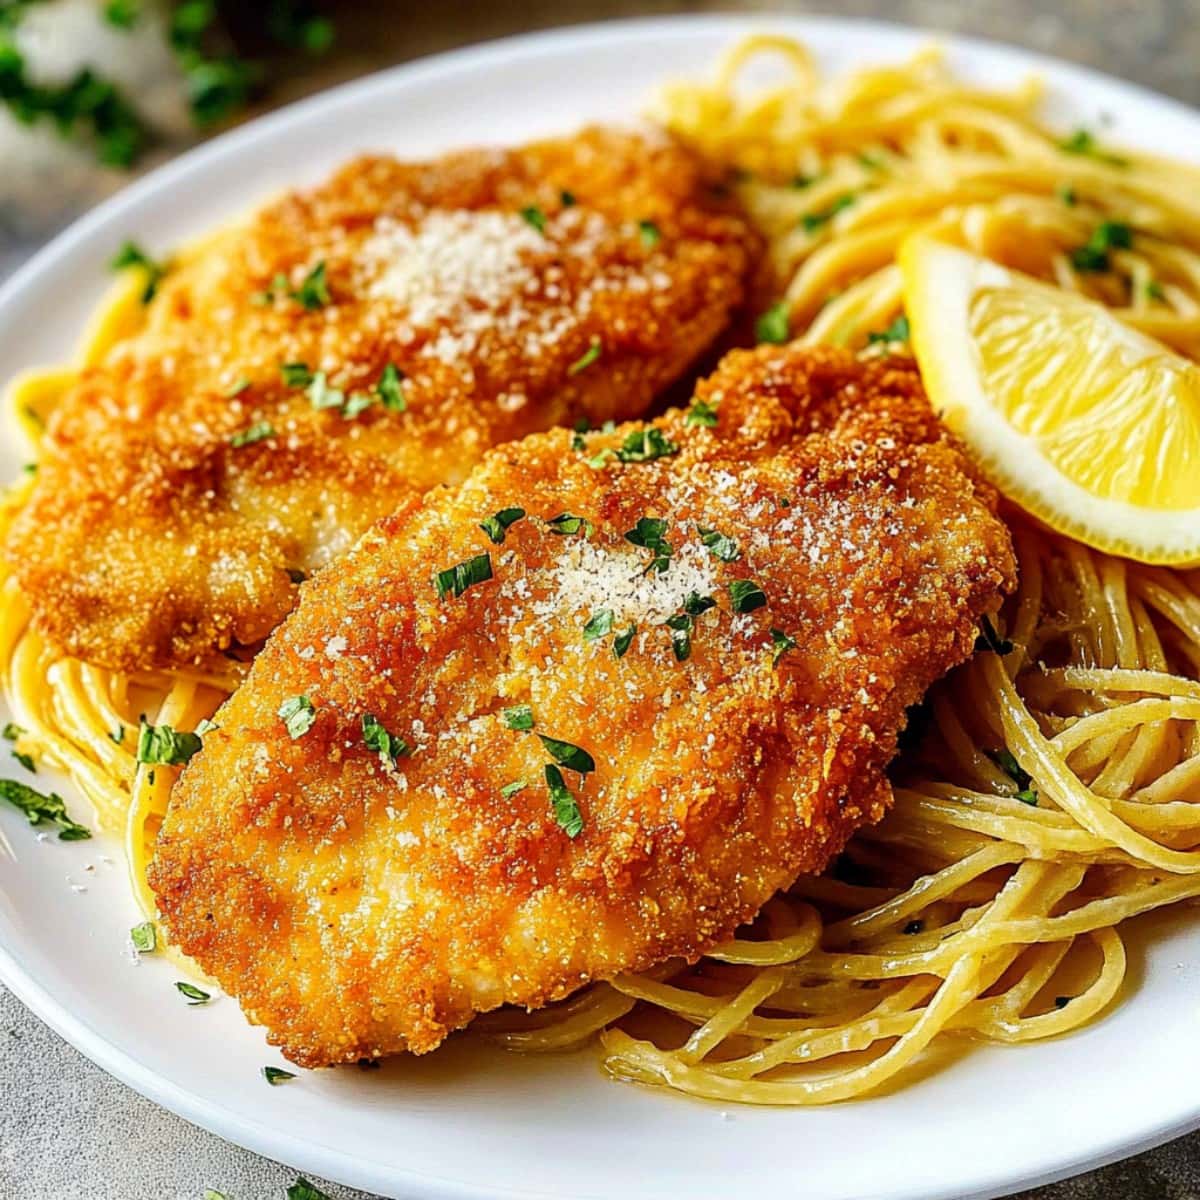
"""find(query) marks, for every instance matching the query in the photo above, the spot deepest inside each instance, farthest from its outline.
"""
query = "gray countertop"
(70, 1132)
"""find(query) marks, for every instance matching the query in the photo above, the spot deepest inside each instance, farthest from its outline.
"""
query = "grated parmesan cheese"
(589, 578)
(461, 275)
(452, 258)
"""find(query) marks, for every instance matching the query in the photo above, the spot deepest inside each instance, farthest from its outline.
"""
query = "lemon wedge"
(1081, 420)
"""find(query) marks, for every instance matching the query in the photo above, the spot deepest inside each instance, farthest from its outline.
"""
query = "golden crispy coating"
(356, 908)
(514, 290)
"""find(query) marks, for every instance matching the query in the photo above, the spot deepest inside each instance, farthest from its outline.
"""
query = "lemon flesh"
(1085, 422)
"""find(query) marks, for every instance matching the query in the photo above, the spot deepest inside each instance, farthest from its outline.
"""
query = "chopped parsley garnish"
(192, 993)
(649, 532)
(85, 103)
(132, 255)
(800, 181)
(297, 714)
(11, 732)
(645, 445)
(277, 1075)
(701, 413)
(813, 221)
(774, 325)
(897, 331)
(579, 442)
(38, 808)
(390, 389)
(258, 432)
(518, 717)
(144, 937)
(290, 24)
(1006, 761)
(356, 402)
(1067, 194)
(26, 760)
(649, 233)
(568, 755)
(122, 14)
(216, 87)
(746, 595)
(566, 808)
(303, 1190)
(600, 625)
(989, 639)
(511, 789)
(585, 360)
(279, 287)
(1115, 234)
(680, 626)
(1154, 290)
(116, 736)
(781, 643)
(1108, 235)
(238, 388)
(313, 292)
(719, 544)
(321, 395)
(1083, 142)
(162, 744)
(568, 523)
(566, 199)
(296, 374)
(624, 640)
(213, 1194)
(456, 579)
(387, 745)
(532, 215)
(871, 161)
(497, 525)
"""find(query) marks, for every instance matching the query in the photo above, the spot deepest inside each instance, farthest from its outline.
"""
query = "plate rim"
(270, 1140)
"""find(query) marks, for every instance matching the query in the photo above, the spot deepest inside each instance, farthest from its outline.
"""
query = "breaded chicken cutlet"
(299, 374)
(584, 712)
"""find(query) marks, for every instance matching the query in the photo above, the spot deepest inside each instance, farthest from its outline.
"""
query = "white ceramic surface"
(471, 1121)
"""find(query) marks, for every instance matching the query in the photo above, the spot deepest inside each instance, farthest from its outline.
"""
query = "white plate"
(474, 1122)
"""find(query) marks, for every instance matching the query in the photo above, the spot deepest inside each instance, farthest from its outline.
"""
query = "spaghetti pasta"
(1055, 790)
(839, 175)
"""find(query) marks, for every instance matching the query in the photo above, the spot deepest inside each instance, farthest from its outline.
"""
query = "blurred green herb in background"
(203, 35)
